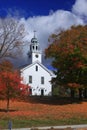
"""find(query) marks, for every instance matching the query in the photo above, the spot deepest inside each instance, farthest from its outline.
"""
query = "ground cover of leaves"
(44, 109)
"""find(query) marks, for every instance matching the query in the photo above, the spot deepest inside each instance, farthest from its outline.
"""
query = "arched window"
(33, 47)
(36, 47)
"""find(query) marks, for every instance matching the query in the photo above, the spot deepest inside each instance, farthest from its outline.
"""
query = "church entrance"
(30, 91)
(42, 92)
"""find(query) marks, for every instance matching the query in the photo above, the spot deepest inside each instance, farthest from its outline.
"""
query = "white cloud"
(46, 25)
(55, 21)
(80, 7)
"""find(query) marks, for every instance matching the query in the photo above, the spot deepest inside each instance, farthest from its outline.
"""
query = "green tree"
(69, 52)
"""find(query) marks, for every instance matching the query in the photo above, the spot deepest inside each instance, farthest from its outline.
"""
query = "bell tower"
(34, 51)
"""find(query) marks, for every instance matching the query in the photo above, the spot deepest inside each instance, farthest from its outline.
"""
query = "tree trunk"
(80, 93)
(8, 97)
(8, 102)
(72, 93)
(85, 93)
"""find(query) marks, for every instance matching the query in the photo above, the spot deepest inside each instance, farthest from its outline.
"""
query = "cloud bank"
(55, 21)
(80, 7)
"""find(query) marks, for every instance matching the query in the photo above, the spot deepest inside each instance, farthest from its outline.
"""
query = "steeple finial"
(34, 33)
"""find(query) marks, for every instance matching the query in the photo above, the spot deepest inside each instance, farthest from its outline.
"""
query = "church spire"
(35, 51)
(34, 33)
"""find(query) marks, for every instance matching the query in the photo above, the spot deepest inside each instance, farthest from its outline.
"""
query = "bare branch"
(12, 33)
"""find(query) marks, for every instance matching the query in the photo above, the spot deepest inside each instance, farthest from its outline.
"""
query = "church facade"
(36, 75)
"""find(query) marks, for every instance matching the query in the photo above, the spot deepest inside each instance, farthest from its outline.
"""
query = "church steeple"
(34, 33)
(34, 44)
(35, 51)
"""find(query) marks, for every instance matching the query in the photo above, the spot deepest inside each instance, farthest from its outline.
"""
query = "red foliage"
(25, 89)
(10, 82)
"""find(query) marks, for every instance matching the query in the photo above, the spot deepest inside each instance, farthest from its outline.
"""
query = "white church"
(36, 75)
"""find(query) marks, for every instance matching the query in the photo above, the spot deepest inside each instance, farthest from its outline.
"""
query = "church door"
(42, 92)
(30, 91)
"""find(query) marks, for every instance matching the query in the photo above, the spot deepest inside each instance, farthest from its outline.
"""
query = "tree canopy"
(69, 52)
(10, 83)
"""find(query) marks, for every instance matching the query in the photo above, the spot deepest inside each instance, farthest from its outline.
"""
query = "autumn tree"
(10, 83)
(69, 52)
(12, 33)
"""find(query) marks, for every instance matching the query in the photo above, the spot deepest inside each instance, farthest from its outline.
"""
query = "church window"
(36, 68)
(33, 47)
(36, 55)
(42, 80)
(36, 47)
(30, 79)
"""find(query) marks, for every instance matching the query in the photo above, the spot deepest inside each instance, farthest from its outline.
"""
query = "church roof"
(34, 40)
(46, 69)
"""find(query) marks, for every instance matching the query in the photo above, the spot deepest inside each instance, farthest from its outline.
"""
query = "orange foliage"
(10, 83)
(67, 41)
(73, 85)
(68, 51)
(32, 110)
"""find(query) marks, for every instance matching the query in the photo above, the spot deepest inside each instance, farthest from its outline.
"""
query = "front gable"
(35, 66)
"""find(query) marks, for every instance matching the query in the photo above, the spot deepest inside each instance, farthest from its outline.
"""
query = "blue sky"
(27, 8)
(45, 16)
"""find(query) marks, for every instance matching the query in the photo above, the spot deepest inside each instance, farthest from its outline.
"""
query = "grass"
(47, 122)
(43, 112)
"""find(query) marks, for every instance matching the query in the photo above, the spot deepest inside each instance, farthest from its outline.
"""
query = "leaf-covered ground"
(45, 109)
